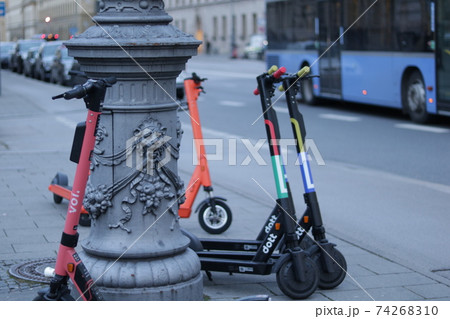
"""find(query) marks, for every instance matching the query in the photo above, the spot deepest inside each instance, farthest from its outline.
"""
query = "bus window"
(284, 33)
(376, 61)
(409, 26)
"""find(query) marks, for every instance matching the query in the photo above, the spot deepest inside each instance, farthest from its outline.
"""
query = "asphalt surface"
(35, 138)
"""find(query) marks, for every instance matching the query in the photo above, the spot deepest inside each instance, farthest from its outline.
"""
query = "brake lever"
(201, 89)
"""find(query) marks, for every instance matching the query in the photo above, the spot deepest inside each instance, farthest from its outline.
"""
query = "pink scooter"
(68, 263)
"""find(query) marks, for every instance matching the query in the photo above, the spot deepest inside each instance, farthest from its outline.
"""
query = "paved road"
(384, 220)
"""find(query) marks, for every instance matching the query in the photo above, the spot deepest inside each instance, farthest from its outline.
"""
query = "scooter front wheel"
(60, 179)
(293, 288)
(215, 222)
(64, 296)
(330, 280)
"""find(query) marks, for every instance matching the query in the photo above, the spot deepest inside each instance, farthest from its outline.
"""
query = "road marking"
(66, 121)
(213, 132)
(337, 117)
(423, 128)
(232, 103)
(281, 110)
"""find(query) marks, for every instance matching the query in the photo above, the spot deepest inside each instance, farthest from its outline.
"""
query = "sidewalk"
(33, 147)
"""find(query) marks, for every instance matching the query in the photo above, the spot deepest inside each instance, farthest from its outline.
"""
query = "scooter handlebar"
(197, 79)
(272, 69)
(275, 72)
(110, 81)
(279, 72)
(303, 71)
(77, 92)
(80, 91)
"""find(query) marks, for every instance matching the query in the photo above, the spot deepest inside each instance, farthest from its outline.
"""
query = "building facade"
(3, 23)
(26, 19)
(224, 26)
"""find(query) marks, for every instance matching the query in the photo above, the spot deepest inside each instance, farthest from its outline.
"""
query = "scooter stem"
(70, 235)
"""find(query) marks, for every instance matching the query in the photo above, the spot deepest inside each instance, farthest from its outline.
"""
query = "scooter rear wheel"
(61, 180)
(85, 220)
(293, 288)
(215, 223)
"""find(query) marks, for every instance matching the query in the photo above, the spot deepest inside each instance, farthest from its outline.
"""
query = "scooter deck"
(236, 265)
(232, 245)
(62, 191)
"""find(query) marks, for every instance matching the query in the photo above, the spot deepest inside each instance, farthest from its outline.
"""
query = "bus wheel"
(415, 98)
(307, 92)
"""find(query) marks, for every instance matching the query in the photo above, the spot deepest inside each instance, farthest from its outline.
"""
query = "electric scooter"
(68, 263)
(214, 215)
(330, 261)
(297, 274)
(60, 188)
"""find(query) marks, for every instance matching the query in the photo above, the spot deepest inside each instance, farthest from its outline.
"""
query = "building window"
(254, 23)
(244, 27)
(224, 28)
(233, 27)
(215, 29)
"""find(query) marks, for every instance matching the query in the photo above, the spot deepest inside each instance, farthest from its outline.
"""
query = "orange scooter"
(214, 215)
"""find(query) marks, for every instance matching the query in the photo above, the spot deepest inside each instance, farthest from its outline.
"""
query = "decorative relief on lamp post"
(150, 183)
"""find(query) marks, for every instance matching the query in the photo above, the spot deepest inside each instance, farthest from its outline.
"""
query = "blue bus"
(392, 53)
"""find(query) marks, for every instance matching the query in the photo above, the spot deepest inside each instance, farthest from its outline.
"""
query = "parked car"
(19, 54)
(44, 59)
(61, 66)
(256, 47)
(29, 64)
(76, 75)
(5, 53)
